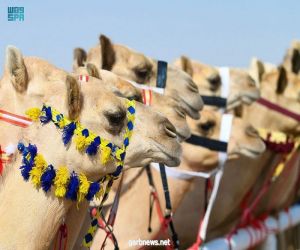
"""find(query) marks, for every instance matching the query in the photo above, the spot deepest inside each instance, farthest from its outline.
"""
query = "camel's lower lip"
(252, 153)
(172, 160)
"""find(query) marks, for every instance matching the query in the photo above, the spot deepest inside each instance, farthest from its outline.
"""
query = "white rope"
(146, 87)
(242, 239)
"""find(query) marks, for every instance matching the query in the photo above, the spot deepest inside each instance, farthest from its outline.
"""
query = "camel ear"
(186, 65)
(79, 58)
(295, 60)
(93, 71)
(74, 98)
(16, 68)
(260, 69)
(282, 80)
(107, 53)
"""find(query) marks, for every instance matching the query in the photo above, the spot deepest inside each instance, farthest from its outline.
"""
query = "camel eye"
(142, 74)
(116, 118)
(207, 126)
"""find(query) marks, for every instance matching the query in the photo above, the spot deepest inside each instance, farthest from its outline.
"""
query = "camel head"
(160, 103)
(135, 66)
(244, 140)
(288, 83)
(205, 76)
(31, 82)
(242, 87)
(276, 88)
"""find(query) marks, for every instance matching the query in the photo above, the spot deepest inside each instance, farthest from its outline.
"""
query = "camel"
(160, 103)
(242, 87)
(244, 144)
(31, 82)
(270, 74)
(139, 68)
(226, 212)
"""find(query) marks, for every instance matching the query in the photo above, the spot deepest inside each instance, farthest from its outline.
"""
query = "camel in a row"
(30, 82)
(243, 89)
(134, 66)
(234, 189)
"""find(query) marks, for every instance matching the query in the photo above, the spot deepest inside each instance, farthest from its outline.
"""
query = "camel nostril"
(192, 86)
(170, 129)
(180, 111)
(251, 131)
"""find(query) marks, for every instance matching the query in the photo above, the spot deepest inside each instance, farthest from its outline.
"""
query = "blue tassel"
(118, 171)
(48, 115)
(25, 171)
(21, 147)
(47, 178)
(68, 132)
(93, 147)
(85, 132)
(32, 149)
(93, 189)
(72, 187)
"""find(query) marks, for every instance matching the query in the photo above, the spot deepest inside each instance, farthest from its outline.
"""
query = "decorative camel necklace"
(72, 185)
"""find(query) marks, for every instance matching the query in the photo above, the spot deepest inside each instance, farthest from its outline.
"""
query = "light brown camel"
(244, 144)
(30, 82)
(208, 80)
(266, 74)
(234, 189)
(163, 104)
(137, 67)
(160, 103)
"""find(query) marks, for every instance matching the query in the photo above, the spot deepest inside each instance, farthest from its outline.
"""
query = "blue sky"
(217, 32)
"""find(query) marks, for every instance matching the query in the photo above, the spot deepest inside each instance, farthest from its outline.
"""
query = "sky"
(223, 33)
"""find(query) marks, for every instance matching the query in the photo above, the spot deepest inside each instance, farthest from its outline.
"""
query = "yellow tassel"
(80, 142)
(105, 155)
(62, 123)
(60, 181)
(100, 193)
(39, 166)
(83, 187)
(33, 113)
(35, 175)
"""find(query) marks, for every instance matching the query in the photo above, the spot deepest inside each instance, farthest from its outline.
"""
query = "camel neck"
(30, 216)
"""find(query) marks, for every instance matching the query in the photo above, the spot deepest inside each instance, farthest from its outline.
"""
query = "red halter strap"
(13, 119)
(279, 109)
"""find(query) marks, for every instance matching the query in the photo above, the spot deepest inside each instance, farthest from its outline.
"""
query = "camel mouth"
(250, 152)
(246, 98)
(189, 110)
(250, 97)
(233, 103)
(169, 157)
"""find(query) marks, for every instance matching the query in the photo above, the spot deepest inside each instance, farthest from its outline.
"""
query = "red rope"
(1, 161)
(62, 234)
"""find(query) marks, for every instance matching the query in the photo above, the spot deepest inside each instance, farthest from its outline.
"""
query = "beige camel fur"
(160, 103)
(207, 78)
(227, 210)
(135, 66)
(244, 143)
(30, 82)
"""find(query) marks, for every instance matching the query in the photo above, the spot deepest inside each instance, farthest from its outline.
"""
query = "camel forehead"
(37, 67)
(131, 56)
